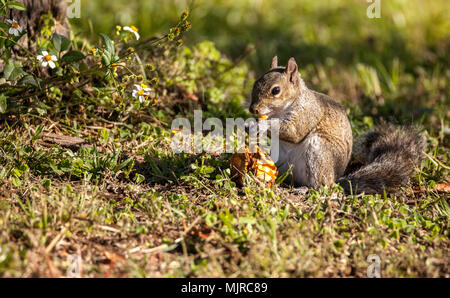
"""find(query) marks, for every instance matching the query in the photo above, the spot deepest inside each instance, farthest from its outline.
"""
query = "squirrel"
(315, 138)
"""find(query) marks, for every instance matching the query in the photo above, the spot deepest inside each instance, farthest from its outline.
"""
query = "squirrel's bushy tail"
(389, 155)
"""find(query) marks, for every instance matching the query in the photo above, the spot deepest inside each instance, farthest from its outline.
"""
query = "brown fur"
(316, 137)
(389, 155)
(315, 122)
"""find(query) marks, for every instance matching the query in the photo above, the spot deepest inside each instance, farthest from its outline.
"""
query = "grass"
(129, 207)
(185, 221)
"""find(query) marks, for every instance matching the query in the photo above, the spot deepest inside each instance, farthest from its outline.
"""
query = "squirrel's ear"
(274, 63)
(292, 70)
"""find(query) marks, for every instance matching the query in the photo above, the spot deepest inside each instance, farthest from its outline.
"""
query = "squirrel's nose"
(253, 109)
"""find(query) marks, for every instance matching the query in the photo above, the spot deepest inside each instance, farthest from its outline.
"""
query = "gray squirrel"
(315, 138)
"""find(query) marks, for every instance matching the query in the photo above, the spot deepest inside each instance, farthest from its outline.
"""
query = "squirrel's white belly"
(297, 156)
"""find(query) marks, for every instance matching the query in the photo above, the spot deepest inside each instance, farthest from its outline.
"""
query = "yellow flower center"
(48, 58)
(144, 86)
(15, 25)
(141, 92)
(135, 29)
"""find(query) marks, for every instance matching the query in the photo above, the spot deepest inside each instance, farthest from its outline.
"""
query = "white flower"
(47, 60)
(133, 30)
(15, 28)
(141, 92)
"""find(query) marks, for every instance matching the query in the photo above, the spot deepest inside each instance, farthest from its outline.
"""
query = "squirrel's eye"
(276, 90)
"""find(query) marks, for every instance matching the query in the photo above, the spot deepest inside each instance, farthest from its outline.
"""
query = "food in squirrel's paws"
(258, 163)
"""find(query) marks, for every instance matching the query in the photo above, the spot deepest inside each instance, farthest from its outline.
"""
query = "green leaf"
(73, 56)
(46, 183)
(57, 42)
(28, 80)
(138, 178)
(61, 43)
(16, 181)
(12, 71)
(3, 104)
(4, 26)
(125, 164)
(9, 67)
(38, 131)
(106, 60)
(15, 5)
(109, 46)
(16, 73)
(115, 59)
